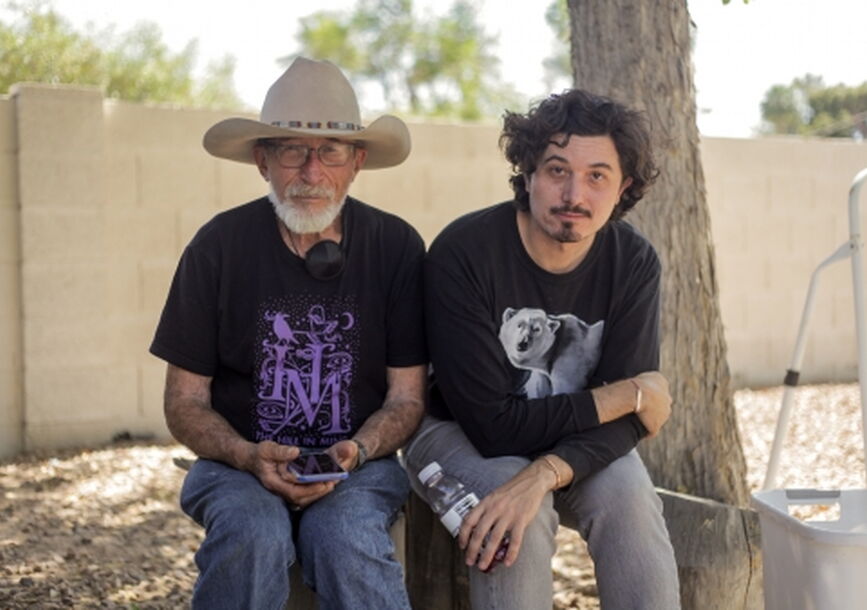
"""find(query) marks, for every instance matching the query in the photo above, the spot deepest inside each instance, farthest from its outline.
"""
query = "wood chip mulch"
(101, 528)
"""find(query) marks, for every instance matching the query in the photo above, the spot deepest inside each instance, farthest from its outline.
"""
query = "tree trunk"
(639, 53)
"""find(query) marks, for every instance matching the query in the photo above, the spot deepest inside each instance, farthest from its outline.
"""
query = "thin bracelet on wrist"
(637, 408)
(550, 464)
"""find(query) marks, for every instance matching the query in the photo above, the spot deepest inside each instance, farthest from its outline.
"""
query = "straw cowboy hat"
(311, 99)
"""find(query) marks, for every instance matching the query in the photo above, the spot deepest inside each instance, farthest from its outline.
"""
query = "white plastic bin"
(813, 565)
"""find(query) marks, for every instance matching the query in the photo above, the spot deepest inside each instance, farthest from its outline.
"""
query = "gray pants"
(617, 511)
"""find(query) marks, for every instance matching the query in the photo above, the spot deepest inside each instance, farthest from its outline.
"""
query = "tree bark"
(639, 53)
(718, 551)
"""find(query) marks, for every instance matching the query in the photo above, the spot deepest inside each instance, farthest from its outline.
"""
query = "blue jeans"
(251, 539)
(617, 511)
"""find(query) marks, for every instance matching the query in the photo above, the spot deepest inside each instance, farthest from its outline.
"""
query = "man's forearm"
(208, 435)
(388, 429)
(614, 400)
(194, 423)
(646, 395)
(592, 450)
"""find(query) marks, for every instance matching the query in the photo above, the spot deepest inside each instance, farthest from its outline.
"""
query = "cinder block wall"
(11, 397)
(99, 197)
(778, 208)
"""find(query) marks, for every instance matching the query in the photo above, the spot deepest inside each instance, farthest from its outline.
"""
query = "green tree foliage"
(808, 107)
(432, 66)
(39, 45)
(557, 66)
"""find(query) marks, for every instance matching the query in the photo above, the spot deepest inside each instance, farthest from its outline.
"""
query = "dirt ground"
(101, 528)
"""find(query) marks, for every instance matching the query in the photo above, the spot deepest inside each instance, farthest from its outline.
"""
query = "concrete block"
(59, 119)
(66, 394)
(132, 336)
(789, 192)
(8, 127)
(11, 413)
(139, 233)
(843, 307)
(733, 308)
(737, 273)
(461, 193)
(58, 234)
(89, 434)
(76, 292)
(429, 141)
(121, 179)
(190, 220)
(64, 342)
(63, 290)
(121, 297)
(159, 127)
(838, 341)
(398, 192)
(10, 230)
(753, 368)
(767, 311)
(448, 141)
(751, 191)
(847, 158)
(68, 435)
(152, 373)
(8, 180)
(155, 277)
(239, 183)
(11, 340)
(176, 180)
(61, 179)
(116, 408)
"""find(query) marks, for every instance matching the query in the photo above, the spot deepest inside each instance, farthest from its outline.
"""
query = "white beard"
(299, 219)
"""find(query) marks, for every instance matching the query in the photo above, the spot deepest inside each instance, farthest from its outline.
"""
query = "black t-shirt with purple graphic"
(294, 359)
(516, 349)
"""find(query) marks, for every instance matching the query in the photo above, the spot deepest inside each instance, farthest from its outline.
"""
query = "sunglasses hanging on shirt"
(324, 261)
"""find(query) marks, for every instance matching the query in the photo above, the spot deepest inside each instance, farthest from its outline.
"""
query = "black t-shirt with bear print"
(515, 349)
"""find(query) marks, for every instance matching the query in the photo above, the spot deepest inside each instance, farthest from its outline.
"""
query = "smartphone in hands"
(315, 467)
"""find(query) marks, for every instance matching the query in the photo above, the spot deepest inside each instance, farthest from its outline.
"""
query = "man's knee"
(622, 491)
(333, 533)
(238, 514)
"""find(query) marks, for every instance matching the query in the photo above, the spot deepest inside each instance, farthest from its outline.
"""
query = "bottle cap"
(428, 471)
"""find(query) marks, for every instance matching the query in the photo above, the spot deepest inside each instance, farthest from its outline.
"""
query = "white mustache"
(305, 190)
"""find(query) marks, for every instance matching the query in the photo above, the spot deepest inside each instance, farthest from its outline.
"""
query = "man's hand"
(267, 461)
(509, 508)
(655, 401)
(345, 453)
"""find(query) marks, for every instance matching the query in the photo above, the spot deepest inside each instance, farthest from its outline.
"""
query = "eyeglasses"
(293, 156)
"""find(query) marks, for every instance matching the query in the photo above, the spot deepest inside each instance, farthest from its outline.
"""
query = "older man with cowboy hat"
(293, 324)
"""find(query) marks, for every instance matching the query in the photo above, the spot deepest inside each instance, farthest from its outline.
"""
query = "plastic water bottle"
(451, 501)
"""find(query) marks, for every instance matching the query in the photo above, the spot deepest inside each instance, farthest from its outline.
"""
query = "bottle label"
(453, 518)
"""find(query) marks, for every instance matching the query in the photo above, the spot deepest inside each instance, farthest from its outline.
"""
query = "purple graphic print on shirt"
(304, 369)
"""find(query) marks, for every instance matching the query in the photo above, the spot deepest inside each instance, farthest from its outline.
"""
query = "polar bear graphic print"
(559, 351)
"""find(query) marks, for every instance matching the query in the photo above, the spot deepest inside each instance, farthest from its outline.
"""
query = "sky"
(741, 49)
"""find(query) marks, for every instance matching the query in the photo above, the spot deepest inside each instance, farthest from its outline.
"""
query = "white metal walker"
(817, 565)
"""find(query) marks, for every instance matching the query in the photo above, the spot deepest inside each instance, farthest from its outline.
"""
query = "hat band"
(317, 125)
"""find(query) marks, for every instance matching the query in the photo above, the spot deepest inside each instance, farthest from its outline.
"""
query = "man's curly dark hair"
(575, 112)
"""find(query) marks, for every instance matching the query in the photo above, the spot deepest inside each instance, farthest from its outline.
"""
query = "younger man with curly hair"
(542, 320)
